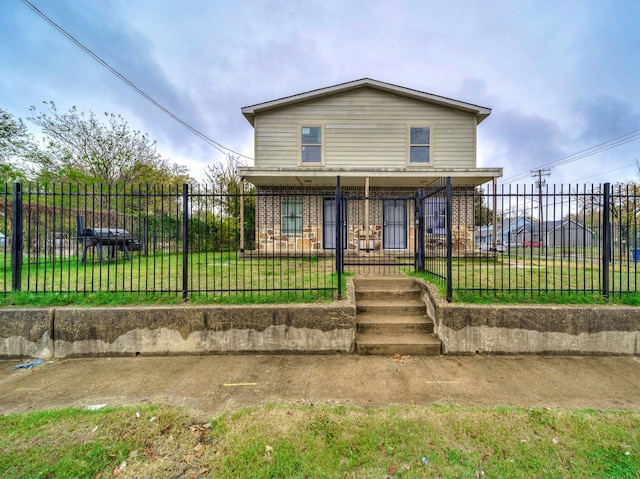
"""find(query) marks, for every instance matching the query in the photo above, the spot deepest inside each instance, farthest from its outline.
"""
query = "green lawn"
(525, 275)
(532, 277)
(218, 277)
(322, 442)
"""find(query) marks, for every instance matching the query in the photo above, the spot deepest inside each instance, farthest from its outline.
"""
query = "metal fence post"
(419, 225)
(339, 265)
(448, 219)
(185, 240)
(606, 239)
(16, 238)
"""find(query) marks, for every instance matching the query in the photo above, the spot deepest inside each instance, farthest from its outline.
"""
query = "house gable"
(480, 111)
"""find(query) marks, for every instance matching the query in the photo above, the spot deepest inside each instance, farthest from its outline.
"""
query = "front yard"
(525, 275)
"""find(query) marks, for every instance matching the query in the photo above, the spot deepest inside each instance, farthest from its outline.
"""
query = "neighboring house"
(560, 233)
(384, 141)
(483, 236)
(509, 231)
(522, 231)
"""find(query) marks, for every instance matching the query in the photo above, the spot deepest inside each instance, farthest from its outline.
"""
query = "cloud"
(553, 86)
(521, 142)
(606, 117)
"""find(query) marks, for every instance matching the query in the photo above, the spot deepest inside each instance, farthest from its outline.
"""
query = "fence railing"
(178, 240)
(558, 239)
(193, 241)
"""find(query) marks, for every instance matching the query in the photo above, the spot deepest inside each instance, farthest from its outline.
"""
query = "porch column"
(495, 214)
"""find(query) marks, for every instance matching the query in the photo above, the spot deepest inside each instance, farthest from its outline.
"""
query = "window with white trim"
(291, 213)
(419, 144)
(311, 144)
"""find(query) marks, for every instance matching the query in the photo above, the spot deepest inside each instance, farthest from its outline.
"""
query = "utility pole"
(540, 173)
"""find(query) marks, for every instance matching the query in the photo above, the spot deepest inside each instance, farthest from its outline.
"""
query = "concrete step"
(391, 307)
(377, 323)
(383, 284)
(390, 344)
(406, 294)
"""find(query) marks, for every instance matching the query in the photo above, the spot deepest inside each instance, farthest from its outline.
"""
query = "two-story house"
(384, 141)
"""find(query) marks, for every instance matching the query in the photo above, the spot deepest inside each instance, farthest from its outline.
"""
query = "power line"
(223, 149)
(608, 171)
(599, 148)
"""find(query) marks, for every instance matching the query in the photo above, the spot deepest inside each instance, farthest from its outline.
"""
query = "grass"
(322, 442)
(527, 276)
(536, 279)
(218, 278)
(107, 298)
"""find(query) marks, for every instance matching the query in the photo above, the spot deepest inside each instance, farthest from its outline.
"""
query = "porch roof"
(322, 176)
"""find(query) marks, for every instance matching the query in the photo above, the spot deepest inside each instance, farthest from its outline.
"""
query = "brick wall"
(271, 238)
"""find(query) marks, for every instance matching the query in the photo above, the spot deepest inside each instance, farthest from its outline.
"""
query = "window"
(436, 215)
(420, 141)
(291, 210)
(311, 144)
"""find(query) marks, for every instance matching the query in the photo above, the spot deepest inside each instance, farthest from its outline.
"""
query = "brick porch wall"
(271, 239)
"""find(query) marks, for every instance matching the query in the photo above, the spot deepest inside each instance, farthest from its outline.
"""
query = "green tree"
(483, 215)
(227, 183)
(225, 180)
(16, 146)
(81, 148)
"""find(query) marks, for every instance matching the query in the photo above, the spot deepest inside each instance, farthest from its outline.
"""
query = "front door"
(394, 231)
(329, 224)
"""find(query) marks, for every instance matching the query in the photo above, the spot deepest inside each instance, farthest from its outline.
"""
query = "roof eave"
(378, 176)
(480, 111)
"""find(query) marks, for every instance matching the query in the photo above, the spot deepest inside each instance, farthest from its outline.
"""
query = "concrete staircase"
(391, 318)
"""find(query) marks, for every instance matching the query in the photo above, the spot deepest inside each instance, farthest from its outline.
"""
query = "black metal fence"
(191, 241)
(525, 240)
(182, 240)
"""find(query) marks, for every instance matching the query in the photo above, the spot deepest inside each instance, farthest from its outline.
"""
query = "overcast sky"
(560, 76)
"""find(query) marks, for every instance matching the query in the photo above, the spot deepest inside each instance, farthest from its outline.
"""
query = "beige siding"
(365, 128)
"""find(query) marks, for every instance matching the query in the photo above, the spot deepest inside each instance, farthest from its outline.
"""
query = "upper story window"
(311, 144)
(420, 142)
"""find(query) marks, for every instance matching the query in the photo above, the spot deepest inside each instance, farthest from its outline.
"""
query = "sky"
(562, 77)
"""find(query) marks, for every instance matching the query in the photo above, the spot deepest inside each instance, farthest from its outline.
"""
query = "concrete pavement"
(211, 385)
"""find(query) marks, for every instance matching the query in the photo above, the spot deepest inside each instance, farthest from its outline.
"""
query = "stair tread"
(393, 339)
(388, 289)
(387, 286)
(389, 302)
(397, 281)
(391, 318)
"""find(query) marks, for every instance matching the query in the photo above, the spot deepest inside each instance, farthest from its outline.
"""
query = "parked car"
(489, 248)
(531, 244)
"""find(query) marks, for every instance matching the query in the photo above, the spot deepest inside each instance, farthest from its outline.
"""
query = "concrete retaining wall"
(519, 329)
(26, 333)
(75, 332)
(463, 329)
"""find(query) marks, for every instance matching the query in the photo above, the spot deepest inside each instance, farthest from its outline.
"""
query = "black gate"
(433, 241)
(378, 232)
